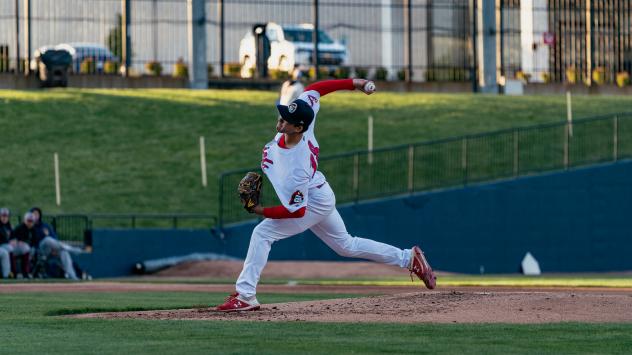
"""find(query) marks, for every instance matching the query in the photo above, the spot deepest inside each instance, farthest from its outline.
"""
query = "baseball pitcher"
(290, 162)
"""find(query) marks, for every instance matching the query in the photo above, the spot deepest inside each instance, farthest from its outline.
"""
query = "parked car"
(292, 45)
(79, 52)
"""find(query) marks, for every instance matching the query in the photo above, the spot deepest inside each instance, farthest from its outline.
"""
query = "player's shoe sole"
(419, 266)
(234, 304)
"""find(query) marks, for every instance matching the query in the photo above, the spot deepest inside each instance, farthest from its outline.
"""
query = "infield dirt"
(444, 306)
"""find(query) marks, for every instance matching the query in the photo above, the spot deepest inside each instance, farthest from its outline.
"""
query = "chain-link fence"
(456, 162)
(542, 40)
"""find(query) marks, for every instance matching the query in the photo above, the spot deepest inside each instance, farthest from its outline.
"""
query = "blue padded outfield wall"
(572, 221)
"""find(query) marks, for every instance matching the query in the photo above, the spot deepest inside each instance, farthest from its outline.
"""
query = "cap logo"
(292, 107)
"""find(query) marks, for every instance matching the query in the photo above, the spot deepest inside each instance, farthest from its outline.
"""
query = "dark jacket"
(24, 234)
(42, 229)
(5, 232)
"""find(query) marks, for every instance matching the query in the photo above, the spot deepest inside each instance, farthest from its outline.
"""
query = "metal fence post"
(17, 36)
(408, 42)
(464, 159)
(27, 36)
(566, 142)
(220, 13)
(315, 37)
(126, 46)
(474, 40)
(615, 139)
(196, 33)
(516, 164)
(356, 176)
(411, 168)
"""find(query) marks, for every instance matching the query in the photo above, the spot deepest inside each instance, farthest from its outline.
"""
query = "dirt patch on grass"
(468, 306)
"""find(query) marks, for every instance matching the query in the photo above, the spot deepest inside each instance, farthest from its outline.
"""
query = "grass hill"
(137, 150)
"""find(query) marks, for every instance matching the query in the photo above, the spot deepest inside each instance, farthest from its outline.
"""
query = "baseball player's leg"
(23, 250)
(332, 231)
(66, 264)
(264, 234)
(9, 249)
(5, 263)
(69, 248)
(48, 245)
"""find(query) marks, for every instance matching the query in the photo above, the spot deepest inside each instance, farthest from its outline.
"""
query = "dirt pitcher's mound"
(285, 269)
(440, 307)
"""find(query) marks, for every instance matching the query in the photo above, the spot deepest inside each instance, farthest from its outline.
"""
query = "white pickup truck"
(292, 45)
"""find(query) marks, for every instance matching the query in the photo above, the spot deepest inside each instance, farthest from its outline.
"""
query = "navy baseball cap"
(298, 113)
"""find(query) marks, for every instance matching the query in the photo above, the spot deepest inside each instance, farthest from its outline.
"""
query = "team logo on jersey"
(292, 107)
(312, 100)
(297, 198)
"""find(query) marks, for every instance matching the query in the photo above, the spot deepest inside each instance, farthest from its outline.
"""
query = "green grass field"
(137, 150)
(29, 325)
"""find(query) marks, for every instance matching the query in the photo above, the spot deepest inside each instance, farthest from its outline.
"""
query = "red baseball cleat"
(235, 304)
(420, 267)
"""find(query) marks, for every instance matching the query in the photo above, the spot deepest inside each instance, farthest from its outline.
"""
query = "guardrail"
(455, 161)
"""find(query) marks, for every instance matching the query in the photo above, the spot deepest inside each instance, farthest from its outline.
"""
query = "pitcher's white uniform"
(297, 182)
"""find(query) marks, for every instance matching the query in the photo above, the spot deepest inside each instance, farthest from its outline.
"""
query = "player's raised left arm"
(328, 86)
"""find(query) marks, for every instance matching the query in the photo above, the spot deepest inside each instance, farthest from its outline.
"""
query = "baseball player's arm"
(328, 86)
(279, 212)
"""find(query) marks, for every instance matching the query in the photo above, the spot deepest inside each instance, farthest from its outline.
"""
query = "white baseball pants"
(50, 245)
(5, 259)
(323, 219)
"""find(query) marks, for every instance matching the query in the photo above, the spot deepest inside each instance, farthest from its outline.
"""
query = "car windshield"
(93, 51)
(299, 35)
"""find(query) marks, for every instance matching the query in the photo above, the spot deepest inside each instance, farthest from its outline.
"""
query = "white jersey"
(294, 171)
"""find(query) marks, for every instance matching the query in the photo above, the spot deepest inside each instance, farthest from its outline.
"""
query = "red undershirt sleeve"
(326, 86)
(279, 212)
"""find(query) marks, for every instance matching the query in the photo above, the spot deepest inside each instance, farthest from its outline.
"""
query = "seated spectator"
(21, 240)
(47, 245)
(6, 252)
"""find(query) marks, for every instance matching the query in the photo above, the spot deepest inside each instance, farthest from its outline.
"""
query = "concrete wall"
(574, 221)
(116, 251)
(20, 82)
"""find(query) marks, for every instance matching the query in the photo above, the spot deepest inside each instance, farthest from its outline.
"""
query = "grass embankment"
(29, 326)
(137, 150)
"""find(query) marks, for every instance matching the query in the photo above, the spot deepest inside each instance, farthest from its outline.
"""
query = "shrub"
(322, 73)
(381, 73)
(342, 72)
(361, 72)
(401, 74)
(599, 75)
(522, 76)
(232, 69)
(153, 68)
(623, 79)
(571, 75)
(110, 67)
(279, 74)
(180, 69)
(546, 77)
(209, 70)
(87, 66)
